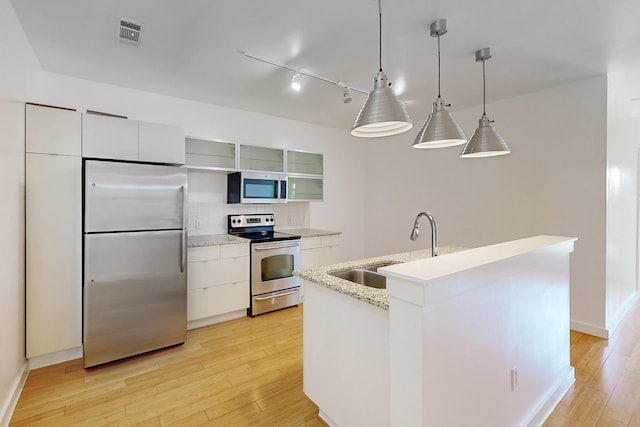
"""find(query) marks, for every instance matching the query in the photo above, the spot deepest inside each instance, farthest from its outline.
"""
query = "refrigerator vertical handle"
(183, 251)
(183, 189)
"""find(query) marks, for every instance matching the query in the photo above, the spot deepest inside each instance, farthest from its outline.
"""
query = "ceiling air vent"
(129, 31)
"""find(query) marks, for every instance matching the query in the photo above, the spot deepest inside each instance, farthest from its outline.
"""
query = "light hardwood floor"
(248, 372)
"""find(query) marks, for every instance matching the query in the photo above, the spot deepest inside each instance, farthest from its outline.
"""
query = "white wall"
(342, 153)
(16, 65)
(552, 183)
(623, 142)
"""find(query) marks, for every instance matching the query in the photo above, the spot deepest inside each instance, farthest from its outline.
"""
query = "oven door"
(272, 265)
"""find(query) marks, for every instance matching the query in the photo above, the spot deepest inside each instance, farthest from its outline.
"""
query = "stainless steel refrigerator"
(135, 288)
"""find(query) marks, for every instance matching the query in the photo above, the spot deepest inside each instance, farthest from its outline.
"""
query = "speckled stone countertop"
(310, 232)
(373, 296)
(213, 240)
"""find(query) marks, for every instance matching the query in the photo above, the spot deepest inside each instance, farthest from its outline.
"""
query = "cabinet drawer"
(310, 243)
(333, 240)
(217, 272)
(203, 253)
(233, 251)
(215, 300)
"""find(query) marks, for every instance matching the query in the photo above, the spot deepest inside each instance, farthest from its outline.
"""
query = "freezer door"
(133, 196)
(135, 293)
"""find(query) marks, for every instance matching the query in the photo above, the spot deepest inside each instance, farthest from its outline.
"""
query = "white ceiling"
(190, 48)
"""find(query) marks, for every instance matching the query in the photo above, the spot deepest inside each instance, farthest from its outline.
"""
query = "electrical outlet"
(514, 378)
(197, 223)
(288, 219)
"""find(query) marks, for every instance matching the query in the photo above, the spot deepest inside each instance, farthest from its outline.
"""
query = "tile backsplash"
(208, 208)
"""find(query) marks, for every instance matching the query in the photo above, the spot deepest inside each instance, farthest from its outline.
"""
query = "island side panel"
(346, 358)
(479, 325)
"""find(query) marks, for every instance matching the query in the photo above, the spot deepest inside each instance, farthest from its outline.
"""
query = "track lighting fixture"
(440, 130)
(346, 96)
(296, 82)
(381, 114)
(485, 141)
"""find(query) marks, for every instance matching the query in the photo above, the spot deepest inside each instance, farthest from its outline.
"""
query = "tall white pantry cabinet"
(53, 230)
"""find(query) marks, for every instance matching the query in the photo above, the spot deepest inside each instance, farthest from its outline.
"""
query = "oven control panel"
(253, 220)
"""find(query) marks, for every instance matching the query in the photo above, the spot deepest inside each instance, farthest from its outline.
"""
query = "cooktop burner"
(257, 228)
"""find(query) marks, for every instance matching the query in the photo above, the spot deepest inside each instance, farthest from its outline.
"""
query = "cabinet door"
(261, 159)
(301, 162)
(160, 143)
(305, 189)
(203, 154)
(109, 137)
(53, 253)
(216, 300)
(53, 131)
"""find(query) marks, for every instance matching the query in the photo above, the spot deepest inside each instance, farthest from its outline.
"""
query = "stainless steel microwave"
(256, 187)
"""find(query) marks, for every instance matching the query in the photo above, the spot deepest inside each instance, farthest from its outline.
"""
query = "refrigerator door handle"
(183, 189)
(183, 251)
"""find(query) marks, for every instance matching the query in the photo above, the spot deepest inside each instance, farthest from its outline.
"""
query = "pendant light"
(485, 141)
(381, 114)
(440, 130)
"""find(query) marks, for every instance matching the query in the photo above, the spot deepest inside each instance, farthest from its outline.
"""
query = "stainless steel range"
(274, 256)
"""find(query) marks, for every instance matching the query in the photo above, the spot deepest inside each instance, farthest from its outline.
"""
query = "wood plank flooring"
(245, 372)
(248, 372)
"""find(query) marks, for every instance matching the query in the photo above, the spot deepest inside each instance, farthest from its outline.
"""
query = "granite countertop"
(213, 240)
(310, 232)
(373, 296)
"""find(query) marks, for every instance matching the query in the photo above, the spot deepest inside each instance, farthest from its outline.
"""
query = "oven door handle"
(284, 294)
(276, 246)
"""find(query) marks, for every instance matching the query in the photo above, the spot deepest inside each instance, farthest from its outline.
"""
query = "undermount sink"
(366, 276)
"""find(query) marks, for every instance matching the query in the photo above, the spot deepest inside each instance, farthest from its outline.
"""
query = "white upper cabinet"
(160, 143)
(261, 159)
(214, 155)
(304, 163)
(105, 137)
(53, 131)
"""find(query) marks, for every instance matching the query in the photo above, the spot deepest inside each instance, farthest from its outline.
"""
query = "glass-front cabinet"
(305, 174)
(305, 189)
(261, 159)
(304, 163)
(204, 154)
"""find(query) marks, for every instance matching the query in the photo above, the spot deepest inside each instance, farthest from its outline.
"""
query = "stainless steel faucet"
(434, 231)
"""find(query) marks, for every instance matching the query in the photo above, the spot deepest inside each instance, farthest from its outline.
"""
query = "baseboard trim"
(327, 419)
(622, 312)
(589, 329)
(207, 321)
(551, 399)
(55, 358)
(10, 402)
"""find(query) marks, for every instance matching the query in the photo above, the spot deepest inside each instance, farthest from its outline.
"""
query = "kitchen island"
(472, 337)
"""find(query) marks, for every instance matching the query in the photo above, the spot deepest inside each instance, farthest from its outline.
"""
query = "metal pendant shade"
(382, 114)
(440, 130)
(485, 141)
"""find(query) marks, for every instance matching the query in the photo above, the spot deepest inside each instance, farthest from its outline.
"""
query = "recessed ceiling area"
(190, 49)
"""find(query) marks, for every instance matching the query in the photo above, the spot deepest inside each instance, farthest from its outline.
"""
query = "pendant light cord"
(380, 33)
(438, 66)
(484, 91)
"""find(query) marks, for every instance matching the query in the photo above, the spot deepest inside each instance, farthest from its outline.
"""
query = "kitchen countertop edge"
(377, 297)
(204, 240)
(309, 232)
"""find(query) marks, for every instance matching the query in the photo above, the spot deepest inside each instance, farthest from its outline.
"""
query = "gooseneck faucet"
(434, 231)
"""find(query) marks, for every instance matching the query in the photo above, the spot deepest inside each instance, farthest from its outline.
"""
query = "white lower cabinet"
(322, 250)
(318, 251)
(217, 281)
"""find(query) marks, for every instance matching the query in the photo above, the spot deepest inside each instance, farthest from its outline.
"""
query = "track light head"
(296, 82)
(346, 97)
